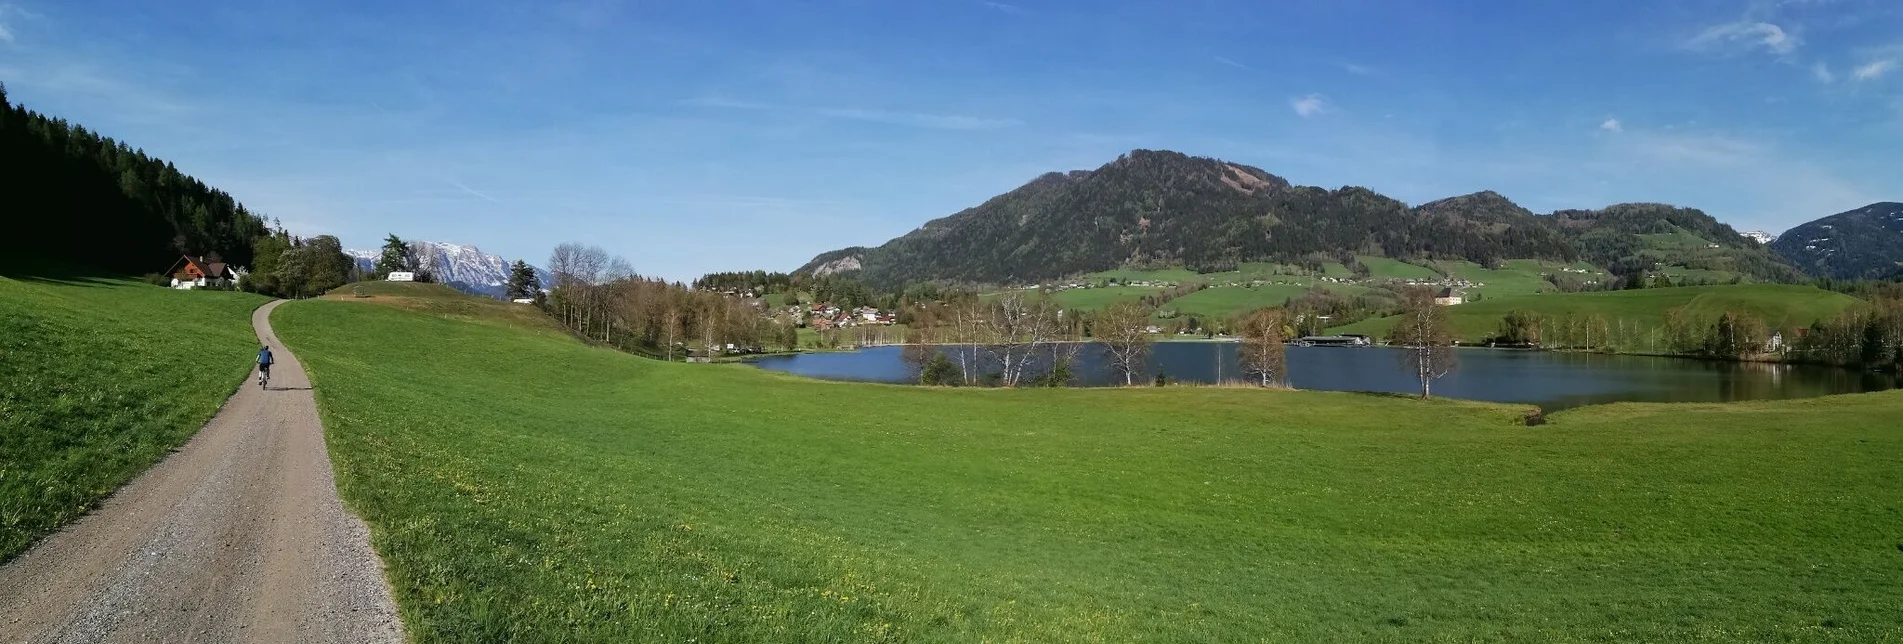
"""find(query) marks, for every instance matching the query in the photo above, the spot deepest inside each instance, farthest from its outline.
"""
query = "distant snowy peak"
(1759, 236)
(466, 268)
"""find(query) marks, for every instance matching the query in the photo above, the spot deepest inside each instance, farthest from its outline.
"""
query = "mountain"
(1866, 242)
(1635, 237)
(466, 268)
(1154, 208)
(1161, 208)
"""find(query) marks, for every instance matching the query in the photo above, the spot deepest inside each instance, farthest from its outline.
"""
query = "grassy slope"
(99, 379)
(1232, 300)
(1779, 304)
(1091, 299)
(523, 485)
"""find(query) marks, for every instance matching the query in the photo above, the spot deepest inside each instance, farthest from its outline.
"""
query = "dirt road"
(237, 537)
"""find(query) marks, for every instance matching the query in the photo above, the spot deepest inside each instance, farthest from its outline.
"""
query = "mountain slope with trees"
(86, 199)
(1862, 243)
(1160, 208)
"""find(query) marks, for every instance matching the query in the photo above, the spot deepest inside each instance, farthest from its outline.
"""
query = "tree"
(1519, 327)
(523, 284)
(396, 257)
(1424, 333)
(1123, 329)
(1263, 354)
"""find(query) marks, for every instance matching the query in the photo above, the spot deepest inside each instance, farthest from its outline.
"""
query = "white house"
(1449, 297)
(400, 276)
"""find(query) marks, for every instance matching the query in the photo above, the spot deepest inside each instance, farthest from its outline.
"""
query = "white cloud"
(1310, 106)
(1007, 8)
(1358, 70)
(1823, 73)
(1873, 70)
(1612, 125)
(6, 35)
(1745, 35)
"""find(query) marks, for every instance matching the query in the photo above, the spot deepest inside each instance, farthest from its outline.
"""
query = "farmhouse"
(190, 273)
(1448, 297)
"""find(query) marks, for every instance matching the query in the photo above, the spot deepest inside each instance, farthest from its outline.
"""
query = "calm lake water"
(1550, 380)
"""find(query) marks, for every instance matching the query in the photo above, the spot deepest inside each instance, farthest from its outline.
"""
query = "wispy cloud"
(1822, 73)
(471, 191)
(1309, 106)
(1232, 63)
(1744, 35)
(1007, 8)
(1873, 70)
(889, 117)
(1612, 125)
(1358, 70)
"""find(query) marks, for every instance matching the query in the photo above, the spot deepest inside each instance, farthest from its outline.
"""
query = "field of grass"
(1226, 301)
(99, 379)
(1384, 268)
(1154, 275)
(1093, 299)
(540, 489)
(1642, 311)
(1518, 277)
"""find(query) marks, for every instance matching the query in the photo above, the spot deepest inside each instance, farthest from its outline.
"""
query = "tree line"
(598, 296)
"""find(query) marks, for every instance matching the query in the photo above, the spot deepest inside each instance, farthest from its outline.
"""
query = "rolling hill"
(1866, 242)
(1159, 209)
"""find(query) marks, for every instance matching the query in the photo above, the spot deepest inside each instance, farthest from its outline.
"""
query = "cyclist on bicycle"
(264, 362)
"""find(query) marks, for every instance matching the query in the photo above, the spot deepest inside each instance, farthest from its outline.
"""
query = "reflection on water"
(1550, 380)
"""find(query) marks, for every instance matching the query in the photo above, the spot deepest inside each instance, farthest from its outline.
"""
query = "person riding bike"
(264, 363)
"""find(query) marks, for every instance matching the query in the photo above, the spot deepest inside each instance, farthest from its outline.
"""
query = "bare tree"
(1424, 332)
(1263, 354)
(969, 330)
(1124, 331)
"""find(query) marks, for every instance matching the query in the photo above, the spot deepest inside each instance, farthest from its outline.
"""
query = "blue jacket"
(264, 356)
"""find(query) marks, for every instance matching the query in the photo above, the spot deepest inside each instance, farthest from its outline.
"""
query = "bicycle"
(264, 377)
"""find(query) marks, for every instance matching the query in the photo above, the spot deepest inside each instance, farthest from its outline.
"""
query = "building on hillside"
(189, 273)
(1449, 296)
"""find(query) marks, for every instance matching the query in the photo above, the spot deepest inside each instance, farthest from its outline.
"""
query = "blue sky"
(698, 136)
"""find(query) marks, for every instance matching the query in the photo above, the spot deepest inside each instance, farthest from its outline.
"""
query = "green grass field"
(1093, 299)
(1384, 268)
(539, 489)
(1227, 301)
(1642, 311)
(1518, 277)
(99, 379)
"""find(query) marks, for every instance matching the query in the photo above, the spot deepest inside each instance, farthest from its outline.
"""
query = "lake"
(1550, 380)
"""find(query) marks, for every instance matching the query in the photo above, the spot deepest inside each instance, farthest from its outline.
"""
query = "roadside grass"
(1641, 312)
(99, 379)
(522, 486)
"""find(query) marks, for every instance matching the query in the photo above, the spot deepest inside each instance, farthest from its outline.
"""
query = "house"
(1448, 297)
(190, 273)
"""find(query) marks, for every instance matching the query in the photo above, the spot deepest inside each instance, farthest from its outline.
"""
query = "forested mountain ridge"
(80, 197)
(1161, 208)
(1633, 237)
(1154, 208)
(1862, 243)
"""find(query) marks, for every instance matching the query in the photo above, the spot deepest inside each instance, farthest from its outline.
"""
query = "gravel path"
(237, 537)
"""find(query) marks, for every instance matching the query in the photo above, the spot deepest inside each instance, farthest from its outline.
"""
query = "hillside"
(1862, 243)
(554, 491)
(79, 197)
(1160, 208)
(1637, 317)
(1157, 209)
(99, 379)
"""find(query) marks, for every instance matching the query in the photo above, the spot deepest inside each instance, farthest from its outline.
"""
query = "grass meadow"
(99, 379)
(521, 485)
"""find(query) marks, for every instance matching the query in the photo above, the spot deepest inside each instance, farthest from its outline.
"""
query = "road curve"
(236, 537)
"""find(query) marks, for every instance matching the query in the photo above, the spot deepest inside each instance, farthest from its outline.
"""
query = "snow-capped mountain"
(1759, 236)
(466, 268)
